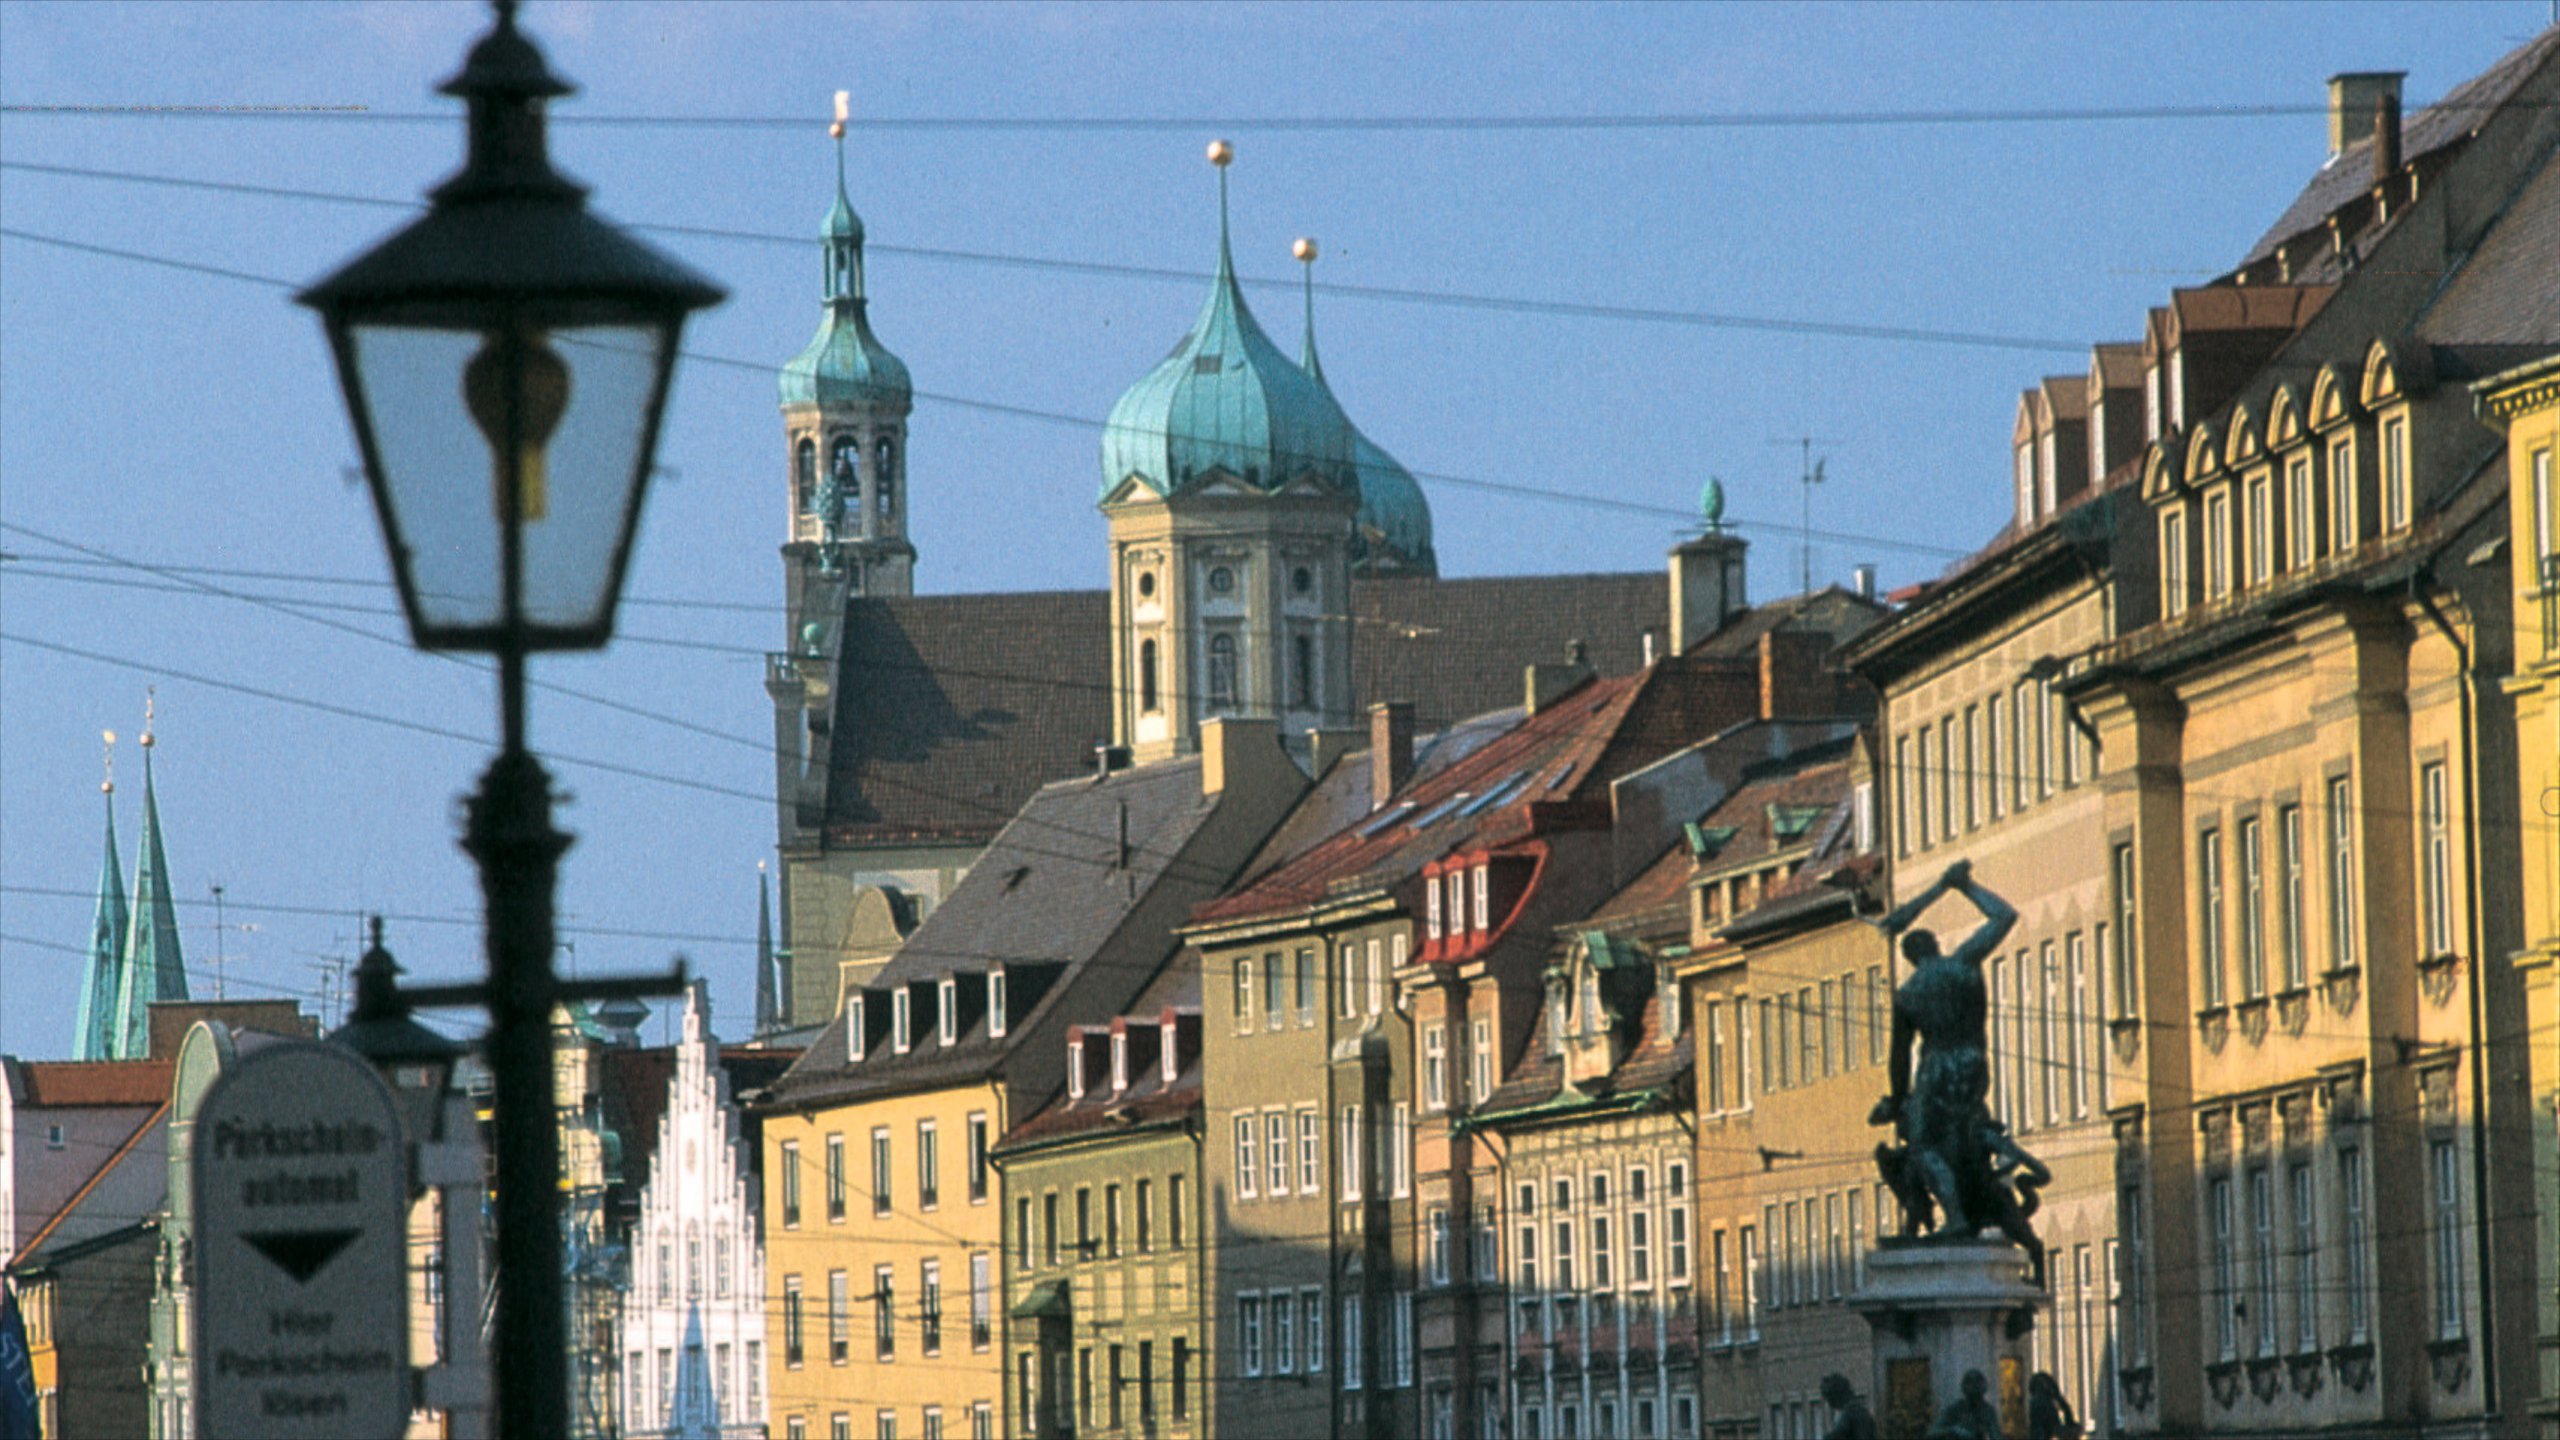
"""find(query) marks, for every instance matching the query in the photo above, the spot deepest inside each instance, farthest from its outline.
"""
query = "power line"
(1084, 422)
(1398, 294)
(1674, 120)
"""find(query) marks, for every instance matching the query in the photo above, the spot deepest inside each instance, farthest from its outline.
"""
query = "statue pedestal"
(1941, 1308)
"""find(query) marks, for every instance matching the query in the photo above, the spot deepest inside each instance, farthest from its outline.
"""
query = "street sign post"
(301, 1197)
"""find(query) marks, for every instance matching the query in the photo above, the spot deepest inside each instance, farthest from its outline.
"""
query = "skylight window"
(1439, 812)
(1502, 791)
(1386, 817)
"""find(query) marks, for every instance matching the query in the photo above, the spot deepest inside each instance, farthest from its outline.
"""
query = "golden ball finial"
(1221, 154)
(835, 131)
(1305, 249)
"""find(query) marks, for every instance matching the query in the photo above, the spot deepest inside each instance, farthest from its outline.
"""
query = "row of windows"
(1479, 1074)
(1280, 1152)
(1568, 1416)
(2048, 1052)
(709, 1389)
(2266, 1254)
(1612, 1225)
(947, 1022)
(1111, 1412)
(1224, 691)
(1279, 987)
(844, 467)
(982, 1424)
(1998, 757)
(928, 1174)
(658, 1283)
(1281, 1332)
(1139, 1229)
(2283, 524)
(1819, 1030)
(885, 1316)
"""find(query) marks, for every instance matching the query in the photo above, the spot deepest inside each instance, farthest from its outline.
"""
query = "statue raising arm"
(1998, 919)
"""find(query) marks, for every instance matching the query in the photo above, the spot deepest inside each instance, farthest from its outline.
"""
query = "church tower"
(1230, 481)
(845, 400)
(100, 1035)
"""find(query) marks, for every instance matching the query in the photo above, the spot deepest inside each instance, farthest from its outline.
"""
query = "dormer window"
(1075, 1066)
(2342, 495)
(2302, 511)
(857, 1034)
(2395, 474)
(1119, 1062)
(1457, 902)
(1484, 897)
(2261, 523)
(996, 1018)
(946, 1020)
(1168, 1052)
(1555, 1020)
(2026, 468)
(1431, 908)
(2217, 544)
(1591, 1002)
(901, 1020)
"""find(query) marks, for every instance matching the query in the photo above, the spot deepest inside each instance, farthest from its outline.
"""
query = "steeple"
(1392, 533)
(1305, 250)
(99, 1035)
(155, 969)
(765, 1017)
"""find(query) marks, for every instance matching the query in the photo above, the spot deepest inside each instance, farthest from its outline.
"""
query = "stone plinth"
(1940, 1308)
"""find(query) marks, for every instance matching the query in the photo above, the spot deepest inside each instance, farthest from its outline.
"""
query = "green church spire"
(155, 968)
(766, 1018)
(1305, 250)
(99, 1035)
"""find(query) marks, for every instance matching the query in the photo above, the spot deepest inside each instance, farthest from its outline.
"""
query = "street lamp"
(505, 360)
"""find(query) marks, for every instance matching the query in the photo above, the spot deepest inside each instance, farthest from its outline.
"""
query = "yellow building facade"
(2524, 403)
(882, 1233)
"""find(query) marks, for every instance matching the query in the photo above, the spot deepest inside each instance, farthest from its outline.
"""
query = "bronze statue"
(2049, 1416)
(1950, 1154)
(1971, 1418)
(1850, 1420)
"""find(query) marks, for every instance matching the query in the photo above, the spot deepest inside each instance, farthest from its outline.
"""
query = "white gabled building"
(693, 1323)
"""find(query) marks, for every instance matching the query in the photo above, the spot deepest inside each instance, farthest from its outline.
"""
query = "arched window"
(804, 475)
(1302, 671)
(1222, 672)
(840, 494)
(1147, 676)
(884, 477)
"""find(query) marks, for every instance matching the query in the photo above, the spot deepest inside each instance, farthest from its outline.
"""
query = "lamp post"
(505, 360)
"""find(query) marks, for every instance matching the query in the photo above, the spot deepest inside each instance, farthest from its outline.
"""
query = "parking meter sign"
(301, 1197)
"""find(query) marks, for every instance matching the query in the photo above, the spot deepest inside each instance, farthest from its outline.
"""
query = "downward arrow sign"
(301, 1253)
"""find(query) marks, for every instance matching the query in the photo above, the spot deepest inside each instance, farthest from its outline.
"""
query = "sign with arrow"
(301, 1196)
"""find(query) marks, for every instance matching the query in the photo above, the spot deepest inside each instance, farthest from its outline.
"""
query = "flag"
(17, 1372)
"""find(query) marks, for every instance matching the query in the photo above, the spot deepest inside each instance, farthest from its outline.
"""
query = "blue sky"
(163, 418)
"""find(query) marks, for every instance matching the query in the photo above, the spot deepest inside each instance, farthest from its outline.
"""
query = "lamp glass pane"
(441, 478)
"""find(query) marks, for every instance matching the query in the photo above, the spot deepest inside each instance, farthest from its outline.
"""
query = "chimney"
(1230, 746)
(1544, 683)
(1390, 749)
(1706, 587)
(2355, 102)
(2386, 136)
(1863, 580)
(1792, 681)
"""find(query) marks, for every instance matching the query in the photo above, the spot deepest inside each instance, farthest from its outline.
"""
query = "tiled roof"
(1567, 753)
(1050, 890)
(954, 709)
(62, 1083)
(2450, 121)
(1776, 795)
(2508, 292)
(1148, 1099)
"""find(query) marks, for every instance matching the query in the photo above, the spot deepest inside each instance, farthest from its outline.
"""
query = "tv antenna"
(1808, 474)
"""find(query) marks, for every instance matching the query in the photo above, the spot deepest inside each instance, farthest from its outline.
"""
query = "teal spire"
(1392, 533)
(98, 1036)
(1308, 361)
(155, 968)
(844, 363)
(1225, 401)
(765, 1007)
